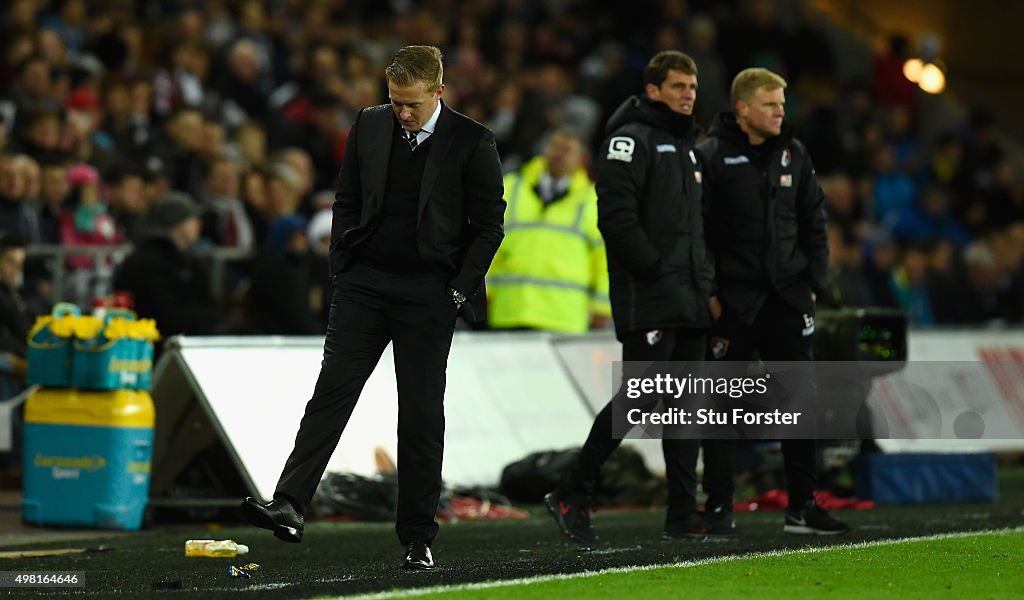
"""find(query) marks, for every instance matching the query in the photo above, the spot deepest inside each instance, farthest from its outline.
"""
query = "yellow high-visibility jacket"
(551, 272)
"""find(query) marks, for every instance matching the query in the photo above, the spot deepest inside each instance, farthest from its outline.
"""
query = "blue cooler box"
(920, 478)
(87, 458)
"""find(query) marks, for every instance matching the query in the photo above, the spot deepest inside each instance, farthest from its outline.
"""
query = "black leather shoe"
(418, 558)
(278, 516)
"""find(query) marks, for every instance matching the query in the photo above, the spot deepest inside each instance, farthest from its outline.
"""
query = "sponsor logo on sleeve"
(786, 180)
(621, 148)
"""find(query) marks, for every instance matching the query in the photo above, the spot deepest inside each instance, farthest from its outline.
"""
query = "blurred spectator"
(250, 144)
(255, 195)
(551, 272)
(183, 81)
(31, 175)
(284, 191)
(69, 21)
(911, 286)
(970, 293)
(714, 81)
(16, 216)
(895, 192)
(881, 255)
(178, 149)
(225, 222)
(279, 299)
(83, 138)
(14, 317)
(848, 284)
(86, 222)
(302, 164)
(889, 86)
(841, 202)
(168, 283)
(18, 47)
(53, 199)
(126, 199)
(39, 133)
(33, 85)
(930, 220)
(243, 83)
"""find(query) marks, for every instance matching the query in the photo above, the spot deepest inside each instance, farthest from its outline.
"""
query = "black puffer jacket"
(649, 212)
(766, 218)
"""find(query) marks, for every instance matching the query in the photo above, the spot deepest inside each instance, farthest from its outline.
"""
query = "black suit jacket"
(460, 210)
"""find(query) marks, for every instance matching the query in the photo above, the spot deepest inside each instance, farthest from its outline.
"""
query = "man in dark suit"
(417, 219)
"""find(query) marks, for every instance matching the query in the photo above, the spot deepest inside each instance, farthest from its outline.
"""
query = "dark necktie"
(410, 137)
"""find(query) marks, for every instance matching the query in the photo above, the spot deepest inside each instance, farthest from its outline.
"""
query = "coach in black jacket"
(649, 212)
(766, 227)
(417, 219)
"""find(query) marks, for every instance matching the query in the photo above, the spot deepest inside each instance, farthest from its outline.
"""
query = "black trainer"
(692, 527)
(720, 520)
(572, 517)
(814, 520)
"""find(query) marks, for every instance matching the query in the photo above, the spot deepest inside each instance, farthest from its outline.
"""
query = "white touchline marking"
(484, 585)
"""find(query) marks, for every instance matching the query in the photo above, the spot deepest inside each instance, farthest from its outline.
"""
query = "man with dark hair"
(766, 226)
(417, 221)
(649, 212)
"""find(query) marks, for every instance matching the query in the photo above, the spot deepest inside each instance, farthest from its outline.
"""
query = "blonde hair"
(414, 64)
(748, 81)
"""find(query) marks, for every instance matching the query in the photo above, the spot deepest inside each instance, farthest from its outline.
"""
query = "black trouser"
(369, 308)
(676, 344)
(777, 334)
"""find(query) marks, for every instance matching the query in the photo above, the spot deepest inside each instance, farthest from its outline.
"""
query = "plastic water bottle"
(214, 548)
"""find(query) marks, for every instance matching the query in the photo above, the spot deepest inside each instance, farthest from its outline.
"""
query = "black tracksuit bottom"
(779, 332)
(675, 344)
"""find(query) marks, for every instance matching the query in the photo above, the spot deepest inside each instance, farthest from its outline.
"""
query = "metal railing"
(96, 281)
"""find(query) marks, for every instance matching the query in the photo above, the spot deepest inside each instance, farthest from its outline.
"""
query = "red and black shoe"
(571, 516)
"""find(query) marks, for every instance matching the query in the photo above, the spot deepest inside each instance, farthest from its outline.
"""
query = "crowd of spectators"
(244, 105)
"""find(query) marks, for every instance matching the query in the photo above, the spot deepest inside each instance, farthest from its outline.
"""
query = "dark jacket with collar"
(170, 286)
(766, 220)
(461, 208)
(649, 212)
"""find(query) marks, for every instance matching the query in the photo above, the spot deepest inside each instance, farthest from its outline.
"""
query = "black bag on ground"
(361, 498)
(625, 479)
(527, 480)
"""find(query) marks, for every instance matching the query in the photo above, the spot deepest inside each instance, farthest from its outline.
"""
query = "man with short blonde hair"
(417, 219)
(415, 64)
(747, 82)
(766, 227)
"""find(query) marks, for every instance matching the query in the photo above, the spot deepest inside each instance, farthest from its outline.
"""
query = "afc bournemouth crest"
(786, 157)
(654, 336)
(719, 346)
